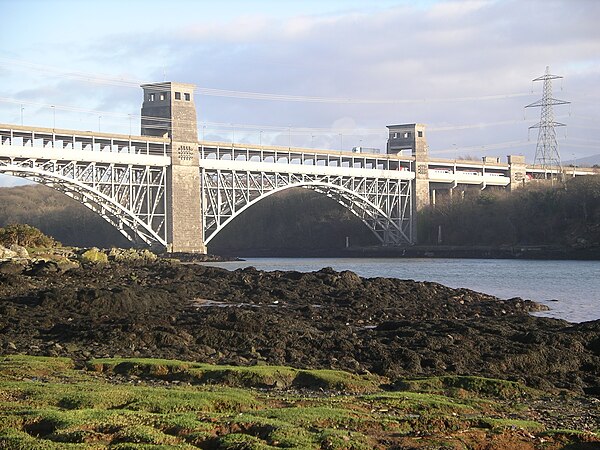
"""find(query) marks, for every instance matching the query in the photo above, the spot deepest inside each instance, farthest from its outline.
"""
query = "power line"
(215, 92)
(263, 127)
(497, 146)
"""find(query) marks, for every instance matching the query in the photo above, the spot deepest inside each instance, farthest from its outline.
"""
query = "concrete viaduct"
(168, 189)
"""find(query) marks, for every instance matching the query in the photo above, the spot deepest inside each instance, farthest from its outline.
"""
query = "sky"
(327, 74)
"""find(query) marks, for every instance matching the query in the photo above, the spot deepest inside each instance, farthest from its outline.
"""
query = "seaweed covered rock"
(324, 319)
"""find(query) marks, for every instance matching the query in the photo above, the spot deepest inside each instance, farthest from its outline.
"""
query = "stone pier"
(169, 111)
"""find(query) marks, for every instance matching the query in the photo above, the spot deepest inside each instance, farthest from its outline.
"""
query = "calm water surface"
(570, 288)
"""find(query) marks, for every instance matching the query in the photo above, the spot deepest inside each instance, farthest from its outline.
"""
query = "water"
(570, 288)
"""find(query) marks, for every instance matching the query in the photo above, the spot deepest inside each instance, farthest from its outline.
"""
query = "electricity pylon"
(546, 151)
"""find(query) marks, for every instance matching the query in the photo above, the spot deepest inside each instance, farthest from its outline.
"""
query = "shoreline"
(534, 252)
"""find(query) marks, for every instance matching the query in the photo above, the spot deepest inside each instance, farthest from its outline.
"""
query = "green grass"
(16, 367)
(241, 376)
(467, 387)
(416, 403)
(46, 403)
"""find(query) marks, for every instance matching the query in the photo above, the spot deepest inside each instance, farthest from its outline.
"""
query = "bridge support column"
(169, 110)
(184, 209)
(412, 137)
(420, 189)
(517, 171)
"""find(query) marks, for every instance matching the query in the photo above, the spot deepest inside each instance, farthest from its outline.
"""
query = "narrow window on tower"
(151, 97)
(177, 95)
(187, 97)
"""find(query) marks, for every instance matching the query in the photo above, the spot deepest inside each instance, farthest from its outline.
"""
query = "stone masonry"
(411, 138)
(169, 110)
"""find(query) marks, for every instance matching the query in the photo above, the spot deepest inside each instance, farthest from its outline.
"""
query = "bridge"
(166, 188)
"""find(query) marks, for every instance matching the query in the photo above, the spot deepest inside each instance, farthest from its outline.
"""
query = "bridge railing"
(306, 157)
(82, 140)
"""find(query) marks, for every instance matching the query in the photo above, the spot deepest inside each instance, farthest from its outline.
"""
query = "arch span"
(127, 222)
(389, 228)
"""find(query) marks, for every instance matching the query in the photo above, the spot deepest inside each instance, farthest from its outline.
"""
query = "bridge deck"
(35, 142)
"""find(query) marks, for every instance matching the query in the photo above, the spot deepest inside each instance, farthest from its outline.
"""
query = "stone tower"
(411, 137)
(169, 111)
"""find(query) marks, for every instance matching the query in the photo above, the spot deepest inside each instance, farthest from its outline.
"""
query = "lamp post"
(53, 116)
(99, 117)
(260, 137)
(22, 109)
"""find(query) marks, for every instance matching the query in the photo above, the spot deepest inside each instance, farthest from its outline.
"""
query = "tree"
(26, 236)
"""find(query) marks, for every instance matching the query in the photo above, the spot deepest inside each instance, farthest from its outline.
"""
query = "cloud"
(438, 50)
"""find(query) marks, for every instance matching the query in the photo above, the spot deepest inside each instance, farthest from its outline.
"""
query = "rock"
(12, 267)
(350, 278)
(21, 252)
(11, 346)
(43, 268)
(65, 264)
(6, 253)
(399, 328)
(131, 255)
(94, 255)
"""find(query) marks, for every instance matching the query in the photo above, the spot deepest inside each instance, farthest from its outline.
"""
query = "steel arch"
(388, 229)
(128, 224)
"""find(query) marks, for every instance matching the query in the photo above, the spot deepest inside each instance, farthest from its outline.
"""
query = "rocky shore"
(325, 319)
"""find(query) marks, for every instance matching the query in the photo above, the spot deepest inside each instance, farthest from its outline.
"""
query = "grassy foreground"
(49, 403)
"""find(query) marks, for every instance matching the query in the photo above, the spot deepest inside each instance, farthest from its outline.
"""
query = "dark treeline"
(534, 215)
(58, 216)
(300, 219)
(296, 219)
(291, 220)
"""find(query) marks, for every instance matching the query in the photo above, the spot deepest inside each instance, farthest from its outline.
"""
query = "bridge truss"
(121, 180)
(124, 179)
(232, 182)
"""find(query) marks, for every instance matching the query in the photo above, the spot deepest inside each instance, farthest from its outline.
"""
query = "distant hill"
(588, 161)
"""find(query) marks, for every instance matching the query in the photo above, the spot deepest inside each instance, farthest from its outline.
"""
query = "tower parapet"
(410, 136)
(168, 110)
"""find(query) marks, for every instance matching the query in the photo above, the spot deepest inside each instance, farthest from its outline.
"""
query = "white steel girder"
(129, 197)
(382, 204)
